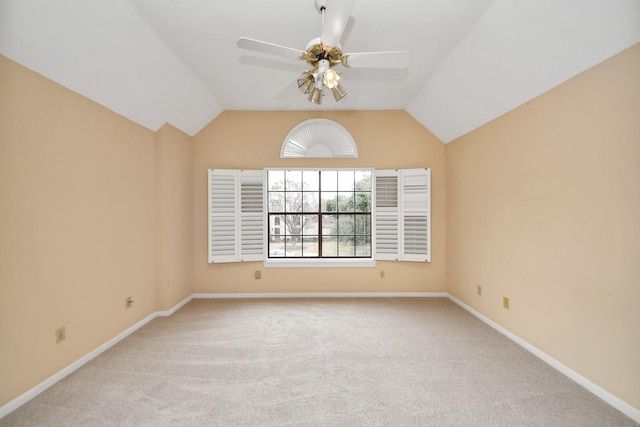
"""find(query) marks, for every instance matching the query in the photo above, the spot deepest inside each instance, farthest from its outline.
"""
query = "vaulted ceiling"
(157, 61)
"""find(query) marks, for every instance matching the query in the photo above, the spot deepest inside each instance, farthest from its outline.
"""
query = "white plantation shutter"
(402, 215)
(222, 215)
(236, 201)
(416, 214)
(387, 228)
(252, 231)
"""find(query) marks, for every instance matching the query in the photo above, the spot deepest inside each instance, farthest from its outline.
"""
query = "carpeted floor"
(317, 362)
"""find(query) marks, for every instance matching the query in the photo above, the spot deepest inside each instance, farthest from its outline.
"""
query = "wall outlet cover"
(61, 334)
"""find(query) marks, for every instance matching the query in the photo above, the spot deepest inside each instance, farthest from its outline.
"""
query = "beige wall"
(174, 216)
(252, 140)
(543, 207)
(79, 194)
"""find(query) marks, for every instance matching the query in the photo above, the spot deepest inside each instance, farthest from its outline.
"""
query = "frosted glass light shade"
(318, 138)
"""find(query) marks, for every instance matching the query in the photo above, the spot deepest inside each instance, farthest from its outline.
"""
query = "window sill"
(319, 262)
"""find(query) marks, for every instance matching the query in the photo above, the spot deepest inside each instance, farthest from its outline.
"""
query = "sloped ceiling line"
(157, 61)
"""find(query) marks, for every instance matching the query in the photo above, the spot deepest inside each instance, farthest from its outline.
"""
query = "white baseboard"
(174, 308)
(324, 295)
(30, 394)
(603, 394)
(33, 392)
(612, 400)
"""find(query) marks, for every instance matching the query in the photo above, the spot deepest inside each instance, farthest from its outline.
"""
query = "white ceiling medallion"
(318, 138)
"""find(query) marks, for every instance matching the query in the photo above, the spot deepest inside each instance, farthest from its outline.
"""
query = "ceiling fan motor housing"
(317, 51)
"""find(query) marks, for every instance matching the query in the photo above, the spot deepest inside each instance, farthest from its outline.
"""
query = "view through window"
(319, 213)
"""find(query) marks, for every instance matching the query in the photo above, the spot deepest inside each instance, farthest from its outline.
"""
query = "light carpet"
(317, 362)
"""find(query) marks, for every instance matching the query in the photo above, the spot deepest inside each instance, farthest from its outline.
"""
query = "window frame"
(324, 261)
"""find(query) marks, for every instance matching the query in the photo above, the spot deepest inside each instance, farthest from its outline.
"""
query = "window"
(319, 213)
(317, 217)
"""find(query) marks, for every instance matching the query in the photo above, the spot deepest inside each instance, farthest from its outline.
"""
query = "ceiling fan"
(324, 53)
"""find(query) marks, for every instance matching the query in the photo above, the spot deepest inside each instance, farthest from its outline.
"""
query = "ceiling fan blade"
(390, 59)
(290, 89)
(274, 49)
(335, 19)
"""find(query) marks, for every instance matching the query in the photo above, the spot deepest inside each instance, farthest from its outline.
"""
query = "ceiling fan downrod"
(321, 6)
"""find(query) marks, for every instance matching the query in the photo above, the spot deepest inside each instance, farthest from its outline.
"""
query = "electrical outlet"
(505, 302)
(382, 275)
(257, 274)
(479, 290)
(61, 335)
(129, 302)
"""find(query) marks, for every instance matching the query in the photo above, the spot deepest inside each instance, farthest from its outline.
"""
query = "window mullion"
(320, 226)
(320, 234)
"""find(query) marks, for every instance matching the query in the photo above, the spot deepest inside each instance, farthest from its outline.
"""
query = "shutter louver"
(415, 235)
(415, 189)
(222, 216)
(387, 235)
(252, 233)
(386, 191)
(386, 216)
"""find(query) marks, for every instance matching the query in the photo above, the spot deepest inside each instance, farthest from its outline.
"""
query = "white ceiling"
(157, 61)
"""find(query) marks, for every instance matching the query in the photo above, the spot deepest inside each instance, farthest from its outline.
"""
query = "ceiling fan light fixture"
(315, 97)
(331, 78)
(306, 83)
(338, 92)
